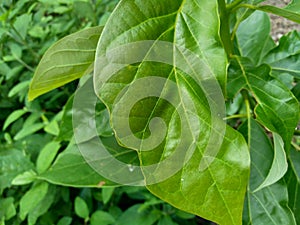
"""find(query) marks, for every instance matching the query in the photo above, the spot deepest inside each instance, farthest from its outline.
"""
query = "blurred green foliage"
(29, 130)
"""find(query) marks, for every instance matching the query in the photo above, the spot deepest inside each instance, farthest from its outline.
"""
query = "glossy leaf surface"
(67, 60)
(194, 27)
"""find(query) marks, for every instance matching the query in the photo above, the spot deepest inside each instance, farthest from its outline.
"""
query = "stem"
(247, 103)
(24, 63)
(295, 146)
(249, 6)
(234, 4)
(225, 28)
(237, 116)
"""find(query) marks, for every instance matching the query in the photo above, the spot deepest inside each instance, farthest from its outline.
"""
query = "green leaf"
(7, 208)
(157, 87)
(81, 208)
(43, 206)
(290, 12)
(13, 117)
(133, 216)
(28, 130)
(285, 57)
(18, 88)
(12, 163)
(65, 221)
(107, 194)
(101, 217)
(52, 128)
(21, 24)
(24, 178)
(293, 182)
(255, 31)
(268, 205)
(37, 192)
(277, 108)
(46, 156)
(84, 9)
(60, 64)
(71, 163)
(279, 166)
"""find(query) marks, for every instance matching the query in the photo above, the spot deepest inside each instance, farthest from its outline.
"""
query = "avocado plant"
(192, 99)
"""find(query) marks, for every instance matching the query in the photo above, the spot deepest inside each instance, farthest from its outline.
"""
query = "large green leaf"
(277, 108)
(270, 204)
(160, 105)
(67, 60)
(255, 31)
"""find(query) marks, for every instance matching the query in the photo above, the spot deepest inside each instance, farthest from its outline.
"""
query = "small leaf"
(16, 50)
(103, 218)
(13, 117)
(279, 166)
(43, 206)
(52, 128)
(60, 64)
(28, 130)
(46, 156)
(81, 208)
(21, 24)
(106, 194)
(133, 216)
(7, 208)
(65, 221)
(32, 198)
(18, 88)
(24, 178)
